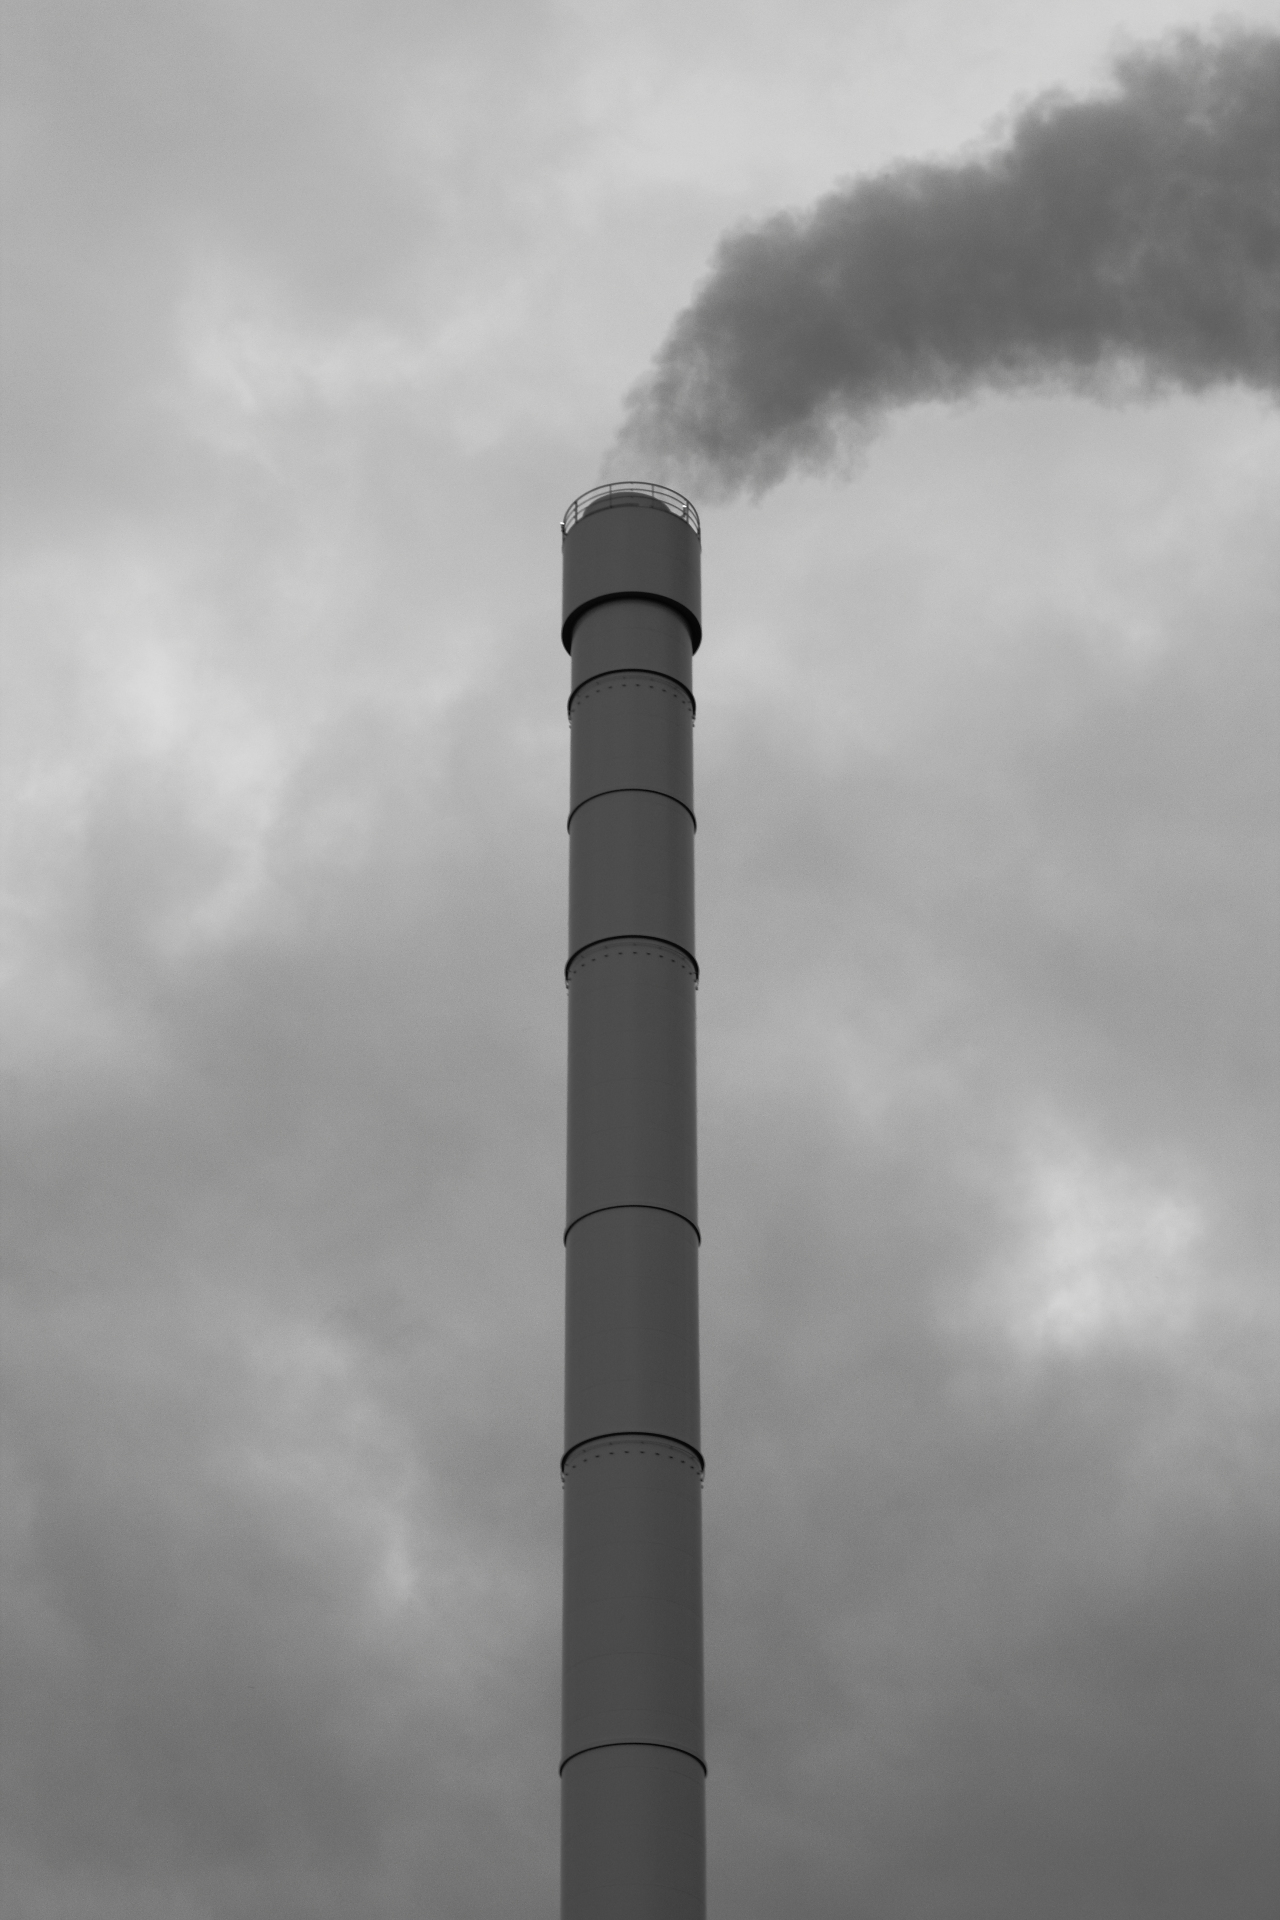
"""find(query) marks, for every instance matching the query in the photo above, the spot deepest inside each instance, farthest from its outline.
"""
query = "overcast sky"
(317, 317)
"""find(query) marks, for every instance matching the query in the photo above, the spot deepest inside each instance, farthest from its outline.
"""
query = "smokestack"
(633, 1766)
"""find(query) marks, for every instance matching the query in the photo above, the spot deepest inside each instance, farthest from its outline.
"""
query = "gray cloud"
(248, 1509)
(1139, 231)
(986, 767)
(1007, 1572)
(987, 1627)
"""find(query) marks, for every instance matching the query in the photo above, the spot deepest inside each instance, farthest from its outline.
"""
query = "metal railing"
(599, 497)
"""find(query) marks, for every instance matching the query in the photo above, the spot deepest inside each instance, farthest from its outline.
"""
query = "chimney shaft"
(633, 1766)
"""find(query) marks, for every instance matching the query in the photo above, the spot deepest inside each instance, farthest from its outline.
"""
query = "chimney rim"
(631, 493)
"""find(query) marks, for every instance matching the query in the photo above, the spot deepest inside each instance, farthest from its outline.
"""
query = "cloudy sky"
(317, 316)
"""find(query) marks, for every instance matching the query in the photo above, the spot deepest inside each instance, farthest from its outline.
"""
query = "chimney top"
(632, 493)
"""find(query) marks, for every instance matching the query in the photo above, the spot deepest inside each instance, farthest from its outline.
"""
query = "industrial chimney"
(633, 1767)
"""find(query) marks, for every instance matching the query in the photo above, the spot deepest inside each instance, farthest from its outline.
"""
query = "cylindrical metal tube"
(633, 1766)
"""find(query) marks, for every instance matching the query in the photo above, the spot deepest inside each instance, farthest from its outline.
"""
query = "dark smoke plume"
(1131, 237)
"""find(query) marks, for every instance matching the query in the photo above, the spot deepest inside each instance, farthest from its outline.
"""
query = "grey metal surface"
(637, 549)
(631, 731)
(636, 636)
(633, 1762)
(631, 1314)
(632, 1092)
(632, 1836)
(631, 870)
(632, 1594)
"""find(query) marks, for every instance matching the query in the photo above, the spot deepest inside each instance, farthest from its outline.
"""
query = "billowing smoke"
(1133, 238)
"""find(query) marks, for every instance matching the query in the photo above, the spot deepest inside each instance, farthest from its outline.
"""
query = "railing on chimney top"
(598, 498)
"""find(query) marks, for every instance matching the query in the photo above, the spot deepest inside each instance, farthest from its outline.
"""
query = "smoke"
(1132, 239)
